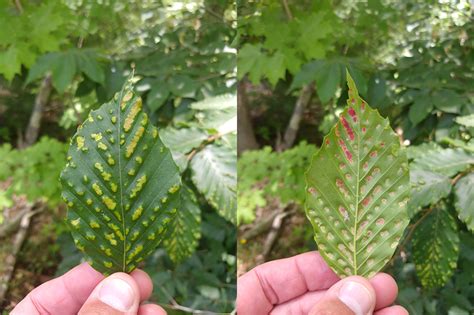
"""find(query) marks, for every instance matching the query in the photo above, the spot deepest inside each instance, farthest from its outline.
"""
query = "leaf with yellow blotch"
(120, 184)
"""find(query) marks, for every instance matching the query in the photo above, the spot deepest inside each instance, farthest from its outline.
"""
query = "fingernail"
(117, 293)
(357, 297)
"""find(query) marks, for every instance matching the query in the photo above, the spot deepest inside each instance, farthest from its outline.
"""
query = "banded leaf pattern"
(436, 248)
(357, 191)
(120, 184)
(185, 233)
(214, 174)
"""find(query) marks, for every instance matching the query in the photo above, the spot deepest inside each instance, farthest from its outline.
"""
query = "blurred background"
(61, 59)
(411, 60)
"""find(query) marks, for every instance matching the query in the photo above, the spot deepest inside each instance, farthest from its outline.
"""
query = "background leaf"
(436, 248)
(464, 192)
(444, 161)
(120, 185)
(185, 229)
(214, 174)
(357, 191)
(427, 188)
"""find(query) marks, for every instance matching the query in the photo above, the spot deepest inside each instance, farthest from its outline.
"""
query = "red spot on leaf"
(353, 100)
(337, 131)
(327, 141)
(366, 201)
(353, 114)
(348, 128)
(365, 166)
(382, 144)
(364, 129)
(346, 151)
(362, 105)
(339, 183)
(344, 213)
(373, 154)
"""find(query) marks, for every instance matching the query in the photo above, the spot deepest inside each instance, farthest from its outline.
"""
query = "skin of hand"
(304, 284)
(84, 291)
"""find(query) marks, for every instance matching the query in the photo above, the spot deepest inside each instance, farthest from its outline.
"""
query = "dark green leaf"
(328, 79)
(120, 185)
(87, 63)
(185, 229)
(64, 69)
(436, 248)
(157, 96)
(420, 109)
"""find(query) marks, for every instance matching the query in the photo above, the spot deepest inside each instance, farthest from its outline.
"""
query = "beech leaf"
(120, 185)
(358, 190)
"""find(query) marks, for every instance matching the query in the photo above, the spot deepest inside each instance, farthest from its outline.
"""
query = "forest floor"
(293, 238)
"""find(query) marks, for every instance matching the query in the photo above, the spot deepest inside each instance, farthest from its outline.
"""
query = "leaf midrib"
(119, 124)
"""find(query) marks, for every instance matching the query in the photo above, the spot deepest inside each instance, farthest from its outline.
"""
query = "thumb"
(117, 294)
(350, 296)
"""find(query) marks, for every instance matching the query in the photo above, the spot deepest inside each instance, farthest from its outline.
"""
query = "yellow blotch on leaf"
(132, 114)
(113, 119)
(97, 189)
(135, 252)
(89, 201)
(106, 176)
(138, 187)
(109, 203)
(137, 213)
(102, 146)
(133, 144)
(96, 136)
(111, 238)
(139, 159)
(113, 186)
(173, 189)
(108, 264)
(99, 166)
(93, 224)
(80, 142)
(110, 160)
(75, 222)
(127, 97)
(155, 133)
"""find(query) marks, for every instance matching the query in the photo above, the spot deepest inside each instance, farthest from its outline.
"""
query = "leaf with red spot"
(357, 190)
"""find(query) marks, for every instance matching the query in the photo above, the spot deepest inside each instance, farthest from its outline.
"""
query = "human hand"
(304, 284)
(84, 291)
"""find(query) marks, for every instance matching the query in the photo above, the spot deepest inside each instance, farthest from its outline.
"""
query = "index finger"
(281, 280)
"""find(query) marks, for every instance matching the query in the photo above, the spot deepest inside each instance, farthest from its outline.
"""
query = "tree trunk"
(294, 124)
(32, 131)
(245, 134)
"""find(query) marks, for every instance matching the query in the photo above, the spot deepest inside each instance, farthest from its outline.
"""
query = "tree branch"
(41, 100)
(287, 9)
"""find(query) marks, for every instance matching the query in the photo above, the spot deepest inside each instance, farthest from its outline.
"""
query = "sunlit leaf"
(436, 248)
(357, 191)
(120, 184)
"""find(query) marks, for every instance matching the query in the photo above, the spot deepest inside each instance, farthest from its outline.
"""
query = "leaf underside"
(120, 184)
(357, 191)
(436, 248)
(214, 174)
(464, 196)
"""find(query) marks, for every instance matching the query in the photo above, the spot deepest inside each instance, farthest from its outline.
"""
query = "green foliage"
(34, 171)
(358, 191)
(436, 248)
(64, 66)
(464, 194)
(265, 174)
(427, 188)
(185, 230)
(27, 32)
(121, 185)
